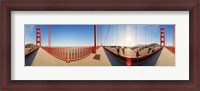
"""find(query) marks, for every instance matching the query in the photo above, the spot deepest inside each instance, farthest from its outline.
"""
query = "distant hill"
(145, 45)
(29, 46)
(153, 45)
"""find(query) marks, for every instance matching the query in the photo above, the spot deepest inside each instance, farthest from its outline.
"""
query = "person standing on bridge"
(137, 52)
(123, 50)
(117, 47)
(149, 49)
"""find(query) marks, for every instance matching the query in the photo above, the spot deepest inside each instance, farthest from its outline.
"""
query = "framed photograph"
(138, 45)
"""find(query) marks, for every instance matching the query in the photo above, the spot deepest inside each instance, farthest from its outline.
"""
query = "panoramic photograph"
(99, 45)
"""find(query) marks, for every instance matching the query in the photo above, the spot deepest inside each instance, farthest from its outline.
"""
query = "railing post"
(128, 61)
(72, 53)
(83, 52)
(68, 55)
(76, 53)
(79, 52)
(58, 52)
(64, 53)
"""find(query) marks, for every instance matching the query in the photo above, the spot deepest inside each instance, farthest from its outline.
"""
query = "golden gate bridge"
(126, 54)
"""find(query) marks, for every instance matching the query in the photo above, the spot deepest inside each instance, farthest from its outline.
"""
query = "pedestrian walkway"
(42, 58)
(162, 58)
(166, 58)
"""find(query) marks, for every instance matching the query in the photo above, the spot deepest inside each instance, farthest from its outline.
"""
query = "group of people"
(137, 50)
(118, 49)
(150, 48)
(123, 50)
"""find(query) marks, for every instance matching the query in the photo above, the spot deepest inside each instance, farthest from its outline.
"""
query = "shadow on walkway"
(29, 59)
(114, 61)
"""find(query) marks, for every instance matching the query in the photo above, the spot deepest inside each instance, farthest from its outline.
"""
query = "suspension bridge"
(102, 54)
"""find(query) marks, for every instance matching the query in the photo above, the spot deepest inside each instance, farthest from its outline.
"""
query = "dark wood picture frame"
(99, 5)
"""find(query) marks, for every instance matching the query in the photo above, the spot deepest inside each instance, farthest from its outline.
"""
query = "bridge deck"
(166, 58)
(162, 58)
(41, 58)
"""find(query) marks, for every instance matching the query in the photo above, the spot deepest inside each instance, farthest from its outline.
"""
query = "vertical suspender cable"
(107, 34)
(117, 35)
(135, 34)
(124, 35)
(173, 35)
(49, 35)
(151, 33)
(146, 34)
(101, 34)
(40, 35)
(165, 29)
(111, 35)
(158, 34)
(97, 35)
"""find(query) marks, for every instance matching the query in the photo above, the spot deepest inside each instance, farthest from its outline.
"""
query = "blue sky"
(83, 35)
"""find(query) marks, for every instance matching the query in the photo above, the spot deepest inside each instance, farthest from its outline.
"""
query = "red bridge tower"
(162, 36)
(38, 37)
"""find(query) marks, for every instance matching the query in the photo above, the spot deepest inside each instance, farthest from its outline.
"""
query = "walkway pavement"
(43, 58)
(166, 58)
(162, 58)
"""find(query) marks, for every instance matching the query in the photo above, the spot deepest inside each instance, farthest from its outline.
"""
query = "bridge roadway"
(41, 58)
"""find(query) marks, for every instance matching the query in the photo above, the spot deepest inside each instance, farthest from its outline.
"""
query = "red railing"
(97, 47)
(69, 53)
(171, 48)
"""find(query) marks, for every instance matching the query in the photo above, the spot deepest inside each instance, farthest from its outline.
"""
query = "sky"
(83, 35)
